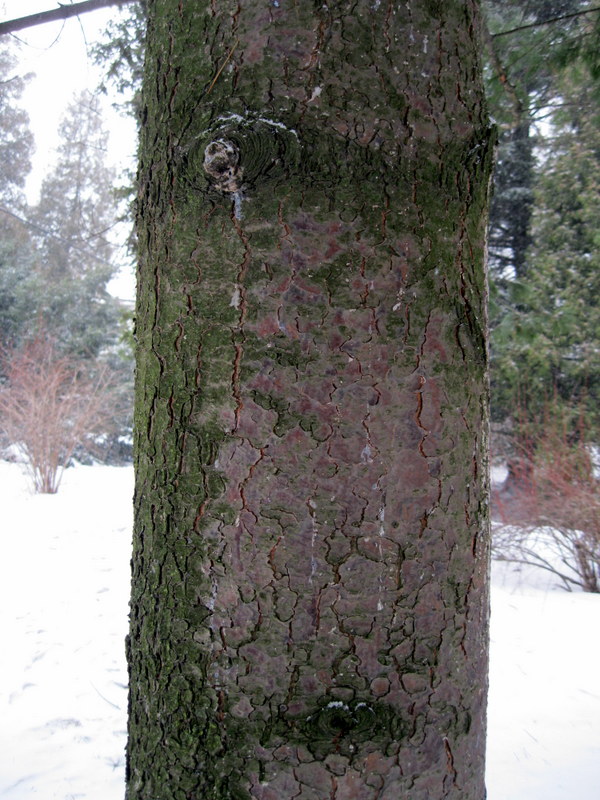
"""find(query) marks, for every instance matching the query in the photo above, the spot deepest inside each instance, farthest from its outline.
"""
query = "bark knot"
(222, 165)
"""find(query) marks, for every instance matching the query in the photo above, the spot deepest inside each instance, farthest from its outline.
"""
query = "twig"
(223, 65)
(114, 705)
(546, 21)
(63, 12)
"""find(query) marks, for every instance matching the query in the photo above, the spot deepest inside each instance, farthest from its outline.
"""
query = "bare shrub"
(49, 406)
(550, 508)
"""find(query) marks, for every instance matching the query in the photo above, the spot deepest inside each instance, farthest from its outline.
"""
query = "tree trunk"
(309, 604)
(512, 204)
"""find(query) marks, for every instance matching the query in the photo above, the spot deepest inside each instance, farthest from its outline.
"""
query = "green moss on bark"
(309, 571)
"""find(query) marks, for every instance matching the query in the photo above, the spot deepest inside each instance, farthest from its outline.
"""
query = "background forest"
(543, 90)
(542, 73)
(65, 341)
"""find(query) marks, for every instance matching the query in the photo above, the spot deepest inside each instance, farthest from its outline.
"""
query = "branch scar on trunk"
(222, 165)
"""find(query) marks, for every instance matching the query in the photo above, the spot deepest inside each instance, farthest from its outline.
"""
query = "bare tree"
(49, 406)
(550, 507)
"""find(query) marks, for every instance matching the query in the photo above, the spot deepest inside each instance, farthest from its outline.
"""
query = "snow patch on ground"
(64, 585)
(498, 474)
(544, 703)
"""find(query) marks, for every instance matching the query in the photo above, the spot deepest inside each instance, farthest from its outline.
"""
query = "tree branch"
(51, 235)
(508, 87)
(546, 22)
(62, 12)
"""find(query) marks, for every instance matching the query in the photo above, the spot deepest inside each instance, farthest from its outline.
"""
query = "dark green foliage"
(584, 48)
(521, 86)
(16, 251)
(17, 278)
(16, 141)
(544, 212)
(122, 53)
(511, 205)
(546, 347)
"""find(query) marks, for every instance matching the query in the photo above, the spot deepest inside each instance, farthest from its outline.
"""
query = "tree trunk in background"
(512, 204)
(309, 604)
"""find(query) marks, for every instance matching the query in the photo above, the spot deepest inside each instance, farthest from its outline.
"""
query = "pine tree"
(74, 218)
(17, 280)
(533, 359)
(521, 85)
(19, 286)
(547, 347)
(16, 140)
(121, 53)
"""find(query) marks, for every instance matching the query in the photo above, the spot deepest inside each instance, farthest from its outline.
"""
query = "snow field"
(64, 584)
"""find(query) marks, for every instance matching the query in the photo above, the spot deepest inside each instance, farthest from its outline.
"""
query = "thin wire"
(223, 65)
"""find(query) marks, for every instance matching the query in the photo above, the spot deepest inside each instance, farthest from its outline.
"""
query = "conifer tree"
(521, 84)
(16, 140)
(16, 251)
(547, 345)
(532, 336)
(74, 217)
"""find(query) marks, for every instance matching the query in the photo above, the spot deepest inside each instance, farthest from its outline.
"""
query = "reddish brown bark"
(310, 570)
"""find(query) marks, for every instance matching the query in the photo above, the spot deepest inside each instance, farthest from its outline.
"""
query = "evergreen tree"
(121, 53)
(19, 286)
(533, 356)
(16, 140)
(74, 218)
(521, 84)
(17, 280)
(548, 346)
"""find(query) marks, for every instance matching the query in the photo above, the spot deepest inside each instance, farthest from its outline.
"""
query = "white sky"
(57, 53)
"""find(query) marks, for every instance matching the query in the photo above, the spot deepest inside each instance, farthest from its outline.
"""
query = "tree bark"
(309, 603)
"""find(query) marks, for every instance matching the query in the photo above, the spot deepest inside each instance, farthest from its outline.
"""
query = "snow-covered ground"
(64, 582)
(544, 702)
(64, 575)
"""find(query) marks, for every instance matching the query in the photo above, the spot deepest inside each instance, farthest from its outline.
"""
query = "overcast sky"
(58, 54)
